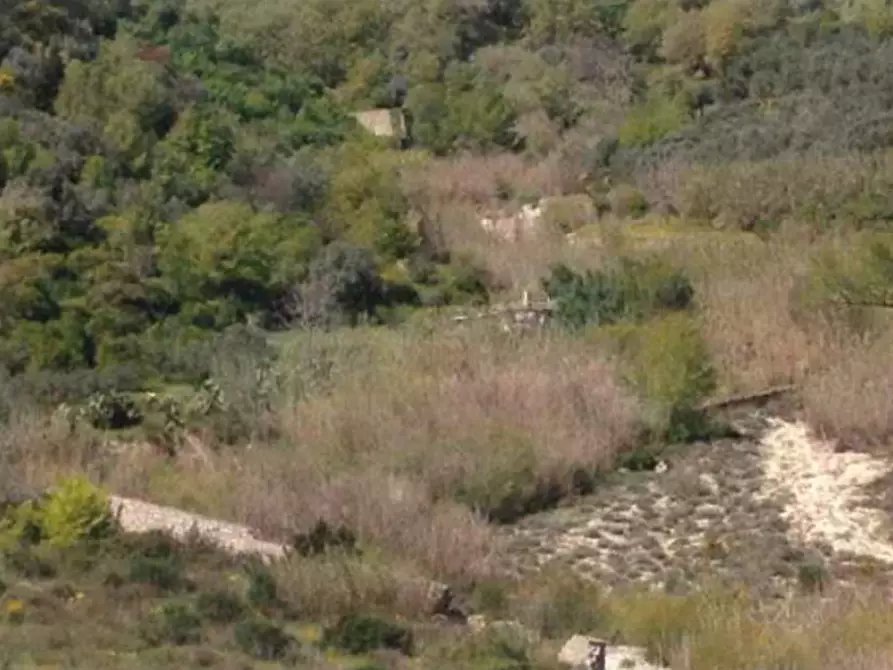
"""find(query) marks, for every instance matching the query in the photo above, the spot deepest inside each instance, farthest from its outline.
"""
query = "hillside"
(221, 293)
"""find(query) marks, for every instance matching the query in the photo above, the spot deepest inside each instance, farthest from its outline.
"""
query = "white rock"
(708, 484)
(477, 623)
(575, 650)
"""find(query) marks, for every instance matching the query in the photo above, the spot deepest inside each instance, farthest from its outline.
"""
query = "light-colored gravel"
(825, 491)
(138, 516)
(754, 510)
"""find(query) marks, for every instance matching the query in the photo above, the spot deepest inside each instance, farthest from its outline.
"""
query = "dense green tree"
(226, 250)
(129, 99)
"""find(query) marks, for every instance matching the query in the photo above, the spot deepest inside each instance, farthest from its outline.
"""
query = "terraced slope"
(773, 511)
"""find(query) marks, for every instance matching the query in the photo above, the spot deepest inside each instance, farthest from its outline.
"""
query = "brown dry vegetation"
(496, 423)
(413, 437)
(402, 435)
(745, 146)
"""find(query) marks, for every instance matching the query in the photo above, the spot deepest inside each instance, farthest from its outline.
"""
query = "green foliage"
(358, 634)
(159, 564)
(550, 22)
(191, 158)
(73, 513)
(644, 23)
(630, 290)
(201, 167)
(343, 284)
(511, 487)
(262, 639)
(559, 603)
(262, 589)
(220, 606)
(323, 538)
(669, 365)
(860, 275)
(651, 121)
(365, 205)
(128, 97)
(500, 649)
(19, 524)
(813, 575)
(174, 623)
(225, 250)
(111, 411)
(466, 111)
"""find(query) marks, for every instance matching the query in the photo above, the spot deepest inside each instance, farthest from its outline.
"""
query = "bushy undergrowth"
(631, 291)
(74, 512)
(177, 183)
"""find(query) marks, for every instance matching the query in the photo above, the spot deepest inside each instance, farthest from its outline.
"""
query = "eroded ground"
(774, 510)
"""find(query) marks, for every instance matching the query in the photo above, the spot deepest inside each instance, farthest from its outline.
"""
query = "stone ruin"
(511, 228)
(549, 215)
(523, 316)
(385, 122)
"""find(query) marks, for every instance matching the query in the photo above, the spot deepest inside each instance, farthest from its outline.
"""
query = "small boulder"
(707, 484)
(477, 623)
(575, 653)
(440, 602)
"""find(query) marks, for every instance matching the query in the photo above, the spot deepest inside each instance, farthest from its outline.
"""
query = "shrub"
(630, 290)
(651, 121)
(262, 588)
(859, 274)
(322, 538)
(669, 365)
(163, 572)
(19, 525)
(626, 200)
(173, 623)
(220, 606)
(358, 634)
(501, 649)
(344, 284)
(558, 603)
(510, 486)
(813, 575)
(112, 411)
(569, 213)
(262, 639)
(74, 512)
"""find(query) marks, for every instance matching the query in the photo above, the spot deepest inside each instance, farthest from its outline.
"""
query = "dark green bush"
(358, 634)
(344, 285)
(262, 589)
(499, 649)
(666, 361)
(629, 290)
(173, 623)
(165, 573)
(510, 489)
(220, 606)
(111, 411)
(324, 537)
(813, 575)
(262, 639)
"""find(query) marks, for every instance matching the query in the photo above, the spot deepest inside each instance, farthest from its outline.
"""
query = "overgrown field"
(218, 292)
(76, 591)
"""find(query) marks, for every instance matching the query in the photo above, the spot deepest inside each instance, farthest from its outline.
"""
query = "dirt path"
(138, 516)
(825, 491)
(753, 510)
